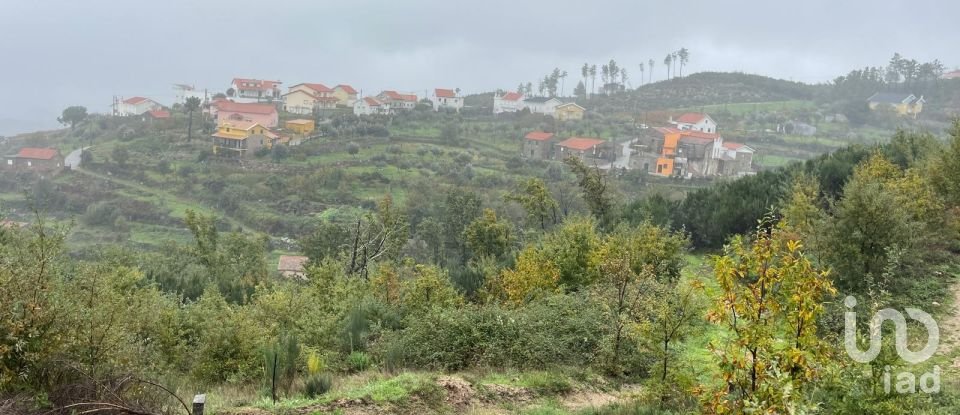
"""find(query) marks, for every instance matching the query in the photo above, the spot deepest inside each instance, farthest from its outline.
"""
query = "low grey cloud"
(63, 52)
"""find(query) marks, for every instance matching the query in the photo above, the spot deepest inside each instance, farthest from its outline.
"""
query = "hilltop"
(703, 88)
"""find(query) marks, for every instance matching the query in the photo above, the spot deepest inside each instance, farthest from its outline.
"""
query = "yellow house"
(236, 138)
(305, 98)
(345, 94)
(569, 111)
(906, 105)
(301, 126)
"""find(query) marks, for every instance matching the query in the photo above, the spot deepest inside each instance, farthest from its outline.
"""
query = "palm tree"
(585, 71)
(684, 55)
(563, 81)
(650, 66)
(667, 61)
(190, 105)
(593, 77)
(675, 60)
(641, 73)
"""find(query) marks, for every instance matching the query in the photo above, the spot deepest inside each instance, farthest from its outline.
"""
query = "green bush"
(558, 330)
(358, 361)
(318, 384)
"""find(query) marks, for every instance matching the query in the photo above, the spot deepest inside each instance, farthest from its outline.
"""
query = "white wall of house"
(455, 103)
(125, 109)
(501, 105)
(547, 108)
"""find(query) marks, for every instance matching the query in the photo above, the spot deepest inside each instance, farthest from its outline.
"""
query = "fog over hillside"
(65, 52)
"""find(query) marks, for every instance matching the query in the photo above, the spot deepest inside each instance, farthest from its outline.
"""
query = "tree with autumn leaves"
(771, 296)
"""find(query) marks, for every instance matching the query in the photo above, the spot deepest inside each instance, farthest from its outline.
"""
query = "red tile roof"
(687, 133)
(134, 100)
(371, 101)
(580, 143)
(160, 114)
(511, 96)
(394, 95)
(258, 84)
(245, 108)
(691, 118)
(730, 145)
(444, 93)
(292, 263)
(37, 153)
(315, 87)
(347, 88)
(538, 135)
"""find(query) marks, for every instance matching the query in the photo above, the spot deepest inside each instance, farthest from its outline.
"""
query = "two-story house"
(238, 139)
(446, 99)
(538, 145)
(309, 97)
(370, 106)
(263, 114)
(345, 94)
(254, 90)
(135, 106)
(508, 102)
(183, 91)
(397, 101)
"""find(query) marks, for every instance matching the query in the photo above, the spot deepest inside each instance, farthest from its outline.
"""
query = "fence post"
(198, 402)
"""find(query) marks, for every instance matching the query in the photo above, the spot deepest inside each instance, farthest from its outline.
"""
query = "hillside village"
(493, 228)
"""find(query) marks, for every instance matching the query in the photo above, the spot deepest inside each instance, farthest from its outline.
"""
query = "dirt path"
(950, 328)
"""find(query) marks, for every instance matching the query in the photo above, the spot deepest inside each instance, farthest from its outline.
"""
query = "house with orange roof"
(35, 160)
(345, 94)
(134, 106)
(397, 101)
(689, 153)
(306, 98)
(370, 106)
(538, 145)
(507, 102)
(254, 90)
(263, 114)
(587, 149)
(240, 138)
(695, 121)
(446, 99)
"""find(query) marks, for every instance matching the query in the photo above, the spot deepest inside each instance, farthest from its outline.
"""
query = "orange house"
(665, 162)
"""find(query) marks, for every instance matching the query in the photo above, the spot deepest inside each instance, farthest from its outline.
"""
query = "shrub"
(558, 330)
(358, 361)
(317, 385)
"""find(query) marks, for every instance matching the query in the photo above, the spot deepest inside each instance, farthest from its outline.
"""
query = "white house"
(254, 90)
(695, 121)
(509, 102)
(135, 106)
(446, 99)
(184, 91)
(541, 105)
(370, 106)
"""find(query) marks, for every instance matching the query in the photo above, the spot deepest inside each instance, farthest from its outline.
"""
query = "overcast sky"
(58, 53)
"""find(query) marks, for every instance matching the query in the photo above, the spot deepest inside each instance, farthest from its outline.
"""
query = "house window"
(9, 162)
(29, 163)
